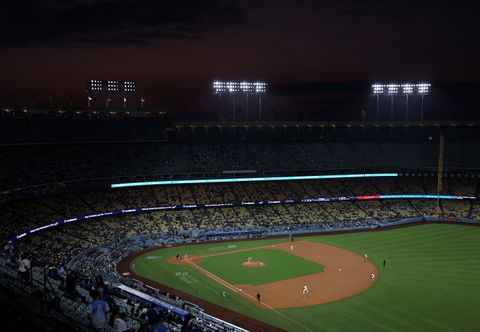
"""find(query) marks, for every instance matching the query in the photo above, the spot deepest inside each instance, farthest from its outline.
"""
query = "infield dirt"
(345, 274)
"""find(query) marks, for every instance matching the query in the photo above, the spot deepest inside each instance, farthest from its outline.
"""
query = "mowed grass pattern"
(280, 265)
(431, 282)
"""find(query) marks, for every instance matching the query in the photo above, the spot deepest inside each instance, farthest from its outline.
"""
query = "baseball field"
(430, 281)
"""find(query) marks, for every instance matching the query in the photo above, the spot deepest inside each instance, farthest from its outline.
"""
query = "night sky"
(175, 49)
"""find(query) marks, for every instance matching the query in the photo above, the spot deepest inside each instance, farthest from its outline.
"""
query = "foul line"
(236, 290)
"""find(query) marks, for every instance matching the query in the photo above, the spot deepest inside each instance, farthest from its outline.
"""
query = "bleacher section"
(68, 171)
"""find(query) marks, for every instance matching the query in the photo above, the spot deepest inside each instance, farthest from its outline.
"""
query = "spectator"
(71, 284)
(119, 324)
(159, 326)
(24, 269)
(152, 315)
(98, 312)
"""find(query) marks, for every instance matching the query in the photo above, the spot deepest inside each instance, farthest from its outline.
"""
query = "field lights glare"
(239, 87)
(406, 89)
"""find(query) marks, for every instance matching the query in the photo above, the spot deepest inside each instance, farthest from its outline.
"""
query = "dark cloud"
(182, 45)
(124, 21)
(145, 21)
(398, 8)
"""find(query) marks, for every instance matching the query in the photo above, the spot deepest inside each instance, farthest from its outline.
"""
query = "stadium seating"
(68, 176)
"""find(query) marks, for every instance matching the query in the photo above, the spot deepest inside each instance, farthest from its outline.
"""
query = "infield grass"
(280, 265)
(431, 282)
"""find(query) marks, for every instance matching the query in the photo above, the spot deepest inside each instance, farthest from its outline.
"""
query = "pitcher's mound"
(254, 264)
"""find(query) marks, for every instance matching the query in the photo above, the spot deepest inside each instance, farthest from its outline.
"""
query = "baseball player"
(305, 289)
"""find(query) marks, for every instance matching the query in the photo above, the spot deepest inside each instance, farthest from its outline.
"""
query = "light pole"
(378, 89)
(233, 96)
(407, 89)
(423, 89)
(234, 88)
(260, 88)
(391, 108)
(89, 99)
(260, 107)
(394, 89)
(406, 109)
(421, 110)
(247, 104)
(220, 106)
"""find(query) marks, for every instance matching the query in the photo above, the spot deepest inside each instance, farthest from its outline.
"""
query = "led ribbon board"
(256, 179)
(227, 204)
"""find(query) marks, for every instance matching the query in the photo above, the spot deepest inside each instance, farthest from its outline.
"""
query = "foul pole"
(441, 151)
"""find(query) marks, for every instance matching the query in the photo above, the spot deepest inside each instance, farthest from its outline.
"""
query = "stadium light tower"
(378, 89)
(247, 88)
(406, 89)
(260, 88)
(392, 90)
(423, 89)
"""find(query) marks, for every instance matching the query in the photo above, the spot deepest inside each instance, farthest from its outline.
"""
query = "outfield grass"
(431, 282)
(280, 265)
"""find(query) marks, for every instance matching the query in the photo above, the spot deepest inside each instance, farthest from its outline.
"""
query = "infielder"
(305, 289)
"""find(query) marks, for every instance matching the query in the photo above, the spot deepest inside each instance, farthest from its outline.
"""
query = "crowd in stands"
(62, 243)
(25, 166)
(40, 130)
(74, 264)
(85, 289)
(194, 151)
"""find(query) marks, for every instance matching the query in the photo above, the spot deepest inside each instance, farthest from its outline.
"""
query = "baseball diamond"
(239, 227)
(427, 271)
